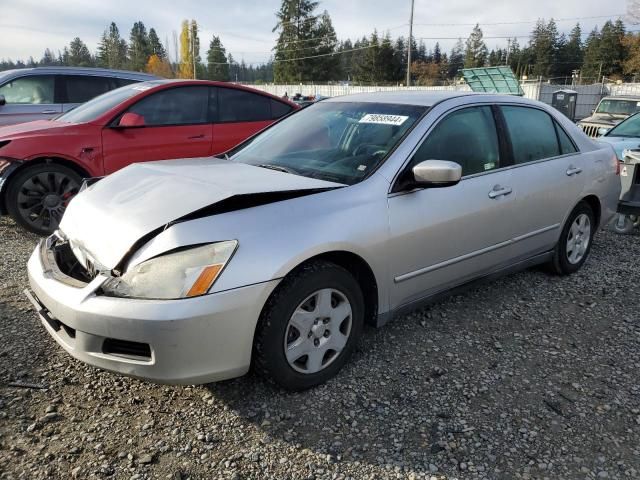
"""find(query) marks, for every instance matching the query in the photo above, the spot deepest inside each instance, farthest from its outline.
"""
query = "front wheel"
(38, 196)
(575, 241)
(309, 327)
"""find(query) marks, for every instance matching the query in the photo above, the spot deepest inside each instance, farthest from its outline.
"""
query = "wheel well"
(594, 203)
(39, 161)
(363, 274)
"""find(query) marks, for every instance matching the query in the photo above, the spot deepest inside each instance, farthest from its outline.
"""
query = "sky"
(27, 27)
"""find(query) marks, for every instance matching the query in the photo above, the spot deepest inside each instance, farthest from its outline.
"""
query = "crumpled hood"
(109, 217)
(35, 128)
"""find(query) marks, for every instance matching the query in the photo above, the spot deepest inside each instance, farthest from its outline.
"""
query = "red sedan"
(42, 163)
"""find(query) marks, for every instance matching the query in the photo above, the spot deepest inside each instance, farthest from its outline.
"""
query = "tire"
(569, 256)
(38, 196)
(279, 346)
(622, 224)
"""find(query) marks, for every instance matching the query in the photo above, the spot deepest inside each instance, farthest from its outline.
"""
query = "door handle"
(194, 137)
(499, 191)
(573, 170)
(47, 112)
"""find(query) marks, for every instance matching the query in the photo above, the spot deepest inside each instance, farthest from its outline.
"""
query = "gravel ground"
(532, 376)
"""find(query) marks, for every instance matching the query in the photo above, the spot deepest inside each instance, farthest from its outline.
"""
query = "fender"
(8, 165)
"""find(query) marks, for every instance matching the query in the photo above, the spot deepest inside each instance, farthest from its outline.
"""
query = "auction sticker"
(383, 119)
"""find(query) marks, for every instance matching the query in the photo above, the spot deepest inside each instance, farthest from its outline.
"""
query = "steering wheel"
(369, 149)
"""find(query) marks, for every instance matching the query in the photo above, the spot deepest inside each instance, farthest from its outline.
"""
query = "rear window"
(279, 109)
(236, 105)
(81, 88)
(532, 133)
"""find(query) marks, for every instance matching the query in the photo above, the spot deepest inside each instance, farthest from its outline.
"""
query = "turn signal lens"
(615, 159)
(205, 280)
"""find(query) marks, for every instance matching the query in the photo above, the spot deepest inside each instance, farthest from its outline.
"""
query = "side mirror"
(131, 120)
(3, 101)
(436, 173)
(602, 131)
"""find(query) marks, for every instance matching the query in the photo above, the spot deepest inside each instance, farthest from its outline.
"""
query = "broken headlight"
(185, 273)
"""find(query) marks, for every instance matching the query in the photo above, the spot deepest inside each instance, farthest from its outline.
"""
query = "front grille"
(590, 129)
(127, 349)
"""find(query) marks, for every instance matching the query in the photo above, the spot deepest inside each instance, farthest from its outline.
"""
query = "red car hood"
(39, 127)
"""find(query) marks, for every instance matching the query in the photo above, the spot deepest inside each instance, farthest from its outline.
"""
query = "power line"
(516, 22)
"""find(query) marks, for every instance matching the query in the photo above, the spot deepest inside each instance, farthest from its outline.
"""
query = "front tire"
(309, 327)
(575, 241)
(38, 196)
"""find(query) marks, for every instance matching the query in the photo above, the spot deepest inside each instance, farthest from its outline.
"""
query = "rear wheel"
(38, 196)
(309, 327)
(575, 241)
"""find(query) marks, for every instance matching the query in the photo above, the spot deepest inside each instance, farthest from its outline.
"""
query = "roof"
(635, 98)
(78, 70)
(425, 98)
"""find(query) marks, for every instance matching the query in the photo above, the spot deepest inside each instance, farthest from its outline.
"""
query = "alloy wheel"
(43, 198)
(578, 239)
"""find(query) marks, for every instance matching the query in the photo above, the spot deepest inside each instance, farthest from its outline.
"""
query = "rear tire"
(38, 196)
(575, 241)
(297, 344)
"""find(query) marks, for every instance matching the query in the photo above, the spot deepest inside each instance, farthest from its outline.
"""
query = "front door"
(176, 125)
(442, 237)
(29, 98)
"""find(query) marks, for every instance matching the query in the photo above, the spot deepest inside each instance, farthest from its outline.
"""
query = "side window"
(467, 137)
(175, 106)
(236, 105)
(566, 145)
(532, 134)
(121, 82)
(79, 88)
(31, 89)
(279, 109)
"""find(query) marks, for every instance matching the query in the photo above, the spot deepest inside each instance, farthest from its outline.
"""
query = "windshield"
(629, 128)
(618, 107)
(92, 109)
(335, 141)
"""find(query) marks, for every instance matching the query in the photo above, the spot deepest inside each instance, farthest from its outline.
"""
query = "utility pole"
(409, 46)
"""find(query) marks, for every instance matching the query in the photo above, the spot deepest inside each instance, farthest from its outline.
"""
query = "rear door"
(177, 125)
(548, 176)
(77, 89)
(28, 98)
(442, 237)
(239, 114)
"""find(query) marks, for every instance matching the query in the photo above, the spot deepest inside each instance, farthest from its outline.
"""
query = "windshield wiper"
(277, 168)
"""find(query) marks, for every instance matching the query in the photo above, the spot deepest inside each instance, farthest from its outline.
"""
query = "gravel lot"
(532, 376)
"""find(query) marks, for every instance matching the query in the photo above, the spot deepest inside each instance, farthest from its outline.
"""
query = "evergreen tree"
(217, 66)
(456, 60)
(400, 60)
(155, 46)
(591, 67)
(296, 26)
(612, 50)
(543, 46)
(475, 54)
(573, 52)
(77, 55)
(326, 67)
(139, 47)
(437, 54)
(48, 59)
(112, 49)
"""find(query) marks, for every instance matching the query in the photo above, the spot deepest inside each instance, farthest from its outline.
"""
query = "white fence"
(588, 95)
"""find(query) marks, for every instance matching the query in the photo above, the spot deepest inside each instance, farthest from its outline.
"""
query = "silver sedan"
(345, 213)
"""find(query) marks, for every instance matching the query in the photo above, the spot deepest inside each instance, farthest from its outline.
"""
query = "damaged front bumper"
(186, 341)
